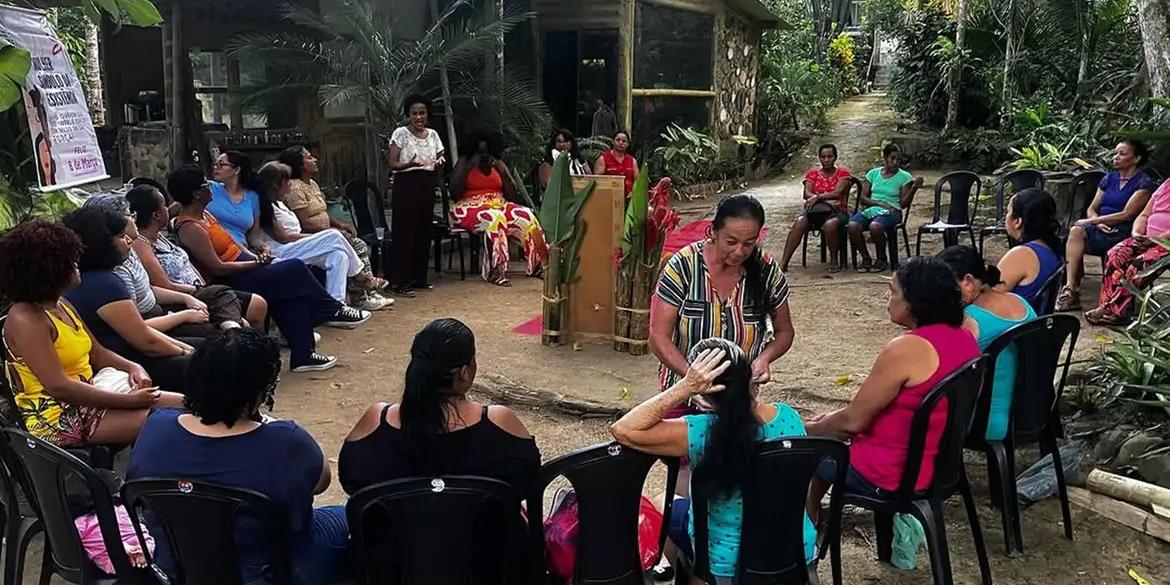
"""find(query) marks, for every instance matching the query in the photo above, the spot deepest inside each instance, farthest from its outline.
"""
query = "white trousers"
(328, 250)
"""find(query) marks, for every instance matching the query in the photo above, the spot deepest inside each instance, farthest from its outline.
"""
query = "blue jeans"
(855, 483)
(324, 560)
(888, 220)
(296, 301)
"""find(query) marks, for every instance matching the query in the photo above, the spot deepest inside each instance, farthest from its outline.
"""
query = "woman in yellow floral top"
(51, 356)
(723, 286)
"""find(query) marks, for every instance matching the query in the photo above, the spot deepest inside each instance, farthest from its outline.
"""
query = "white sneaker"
(317, 363)
(375, 302)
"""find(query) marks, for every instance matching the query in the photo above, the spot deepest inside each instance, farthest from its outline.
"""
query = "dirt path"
(840, 322)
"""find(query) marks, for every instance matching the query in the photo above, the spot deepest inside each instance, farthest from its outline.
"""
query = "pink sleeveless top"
(879, 453)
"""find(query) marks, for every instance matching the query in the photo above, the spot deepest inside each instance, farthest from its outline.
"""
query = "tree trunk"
(448, 111)
(94, 91)
(1008, 56)
(1154, 16)
(956, 83)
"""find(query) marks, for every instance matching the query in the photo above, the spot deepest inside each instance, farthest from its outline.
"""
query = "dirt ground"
(840, 322)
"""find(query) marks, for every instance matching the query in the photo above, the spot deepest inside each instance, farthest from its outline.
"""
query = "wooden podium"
(591, 298)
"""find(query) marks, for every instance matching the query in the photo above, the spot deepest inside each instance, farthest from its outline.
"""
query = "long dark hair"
(272, 174)
(964, 260)
(931, 291)
(574, 152)
(248, 178)
(97, 226)
(727, 454)
(294, 157)
(1037, 209)
(439, 351)
(746, 207)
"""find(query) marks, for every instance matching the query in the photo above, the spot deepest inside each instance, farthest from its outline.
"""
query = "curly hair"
(97, 226)
(415, 99)
(931, 291)
(184, 182)
(469, 146)
(37, 261)
(231, 376)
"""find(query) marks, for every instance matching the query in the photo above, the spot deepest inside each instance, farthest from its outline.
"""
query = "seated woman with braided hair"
(226, 440)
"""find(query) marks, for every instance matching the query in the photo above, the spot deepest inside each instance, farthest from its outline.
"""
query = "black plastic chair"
(961, 391)
(1081, 192)
(1044, 302)
(360, 195)
(963, 185)
(608, 480)
(772, 536)
(48, 470)
(1018, 181)
(443, 531)
(21, 522)
(443, 231)
(199, 521)
(852, 193)
(1033, 418)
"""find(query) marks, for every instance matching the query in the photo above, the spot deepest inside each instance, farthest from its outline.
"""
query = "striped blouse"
(685, 284)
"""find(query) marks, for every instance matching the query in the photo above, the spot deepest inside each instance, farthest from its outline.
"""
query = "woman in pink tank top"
(924, 298)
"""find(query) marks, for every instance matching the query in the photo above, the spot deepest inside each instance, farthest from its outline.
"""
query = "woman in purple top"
(1031, 221)
(1121, 197)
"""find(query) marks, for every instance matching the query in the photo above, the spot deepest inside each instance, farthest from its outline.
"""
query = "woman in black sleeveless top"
(437, 429)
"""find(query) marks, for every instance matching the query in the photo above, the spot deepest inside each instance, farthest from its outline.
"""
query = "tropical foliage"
(351, 55)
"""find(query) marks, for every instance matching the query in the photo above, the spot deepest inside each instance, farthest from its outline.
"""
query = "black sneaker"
(317, 363)
(348, 318)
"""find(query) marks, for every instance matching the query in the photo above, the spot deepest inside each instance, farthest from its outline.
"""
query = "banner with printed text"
(61, 131)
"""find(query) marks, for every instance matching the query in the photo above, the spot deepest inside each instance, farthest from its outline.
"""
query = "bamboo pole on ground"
(639, 330)
(553, 303)
(1133, 491)
(621, 317)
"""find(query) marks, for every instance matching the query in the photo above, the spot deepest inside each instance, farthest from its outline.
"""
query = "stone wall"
(736, 72)
(145, 152)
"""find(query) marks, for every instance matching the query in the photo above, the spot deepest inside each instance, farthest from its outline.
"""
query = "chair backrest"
(444, 194)
(960, 391)
(199, 520)
(1080, 195)
(1044, 303)
(8, 410)
(48, 469)
(772, 543)
(360, 195)
(443, 530)
(1018, 180)
(608, 481)
(963, 185)
(1041, 372)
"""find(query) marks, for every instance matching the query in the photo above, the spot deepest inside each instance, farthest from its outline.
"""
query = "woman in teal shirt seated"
(720, 445)
(886, 191)
(989, 314)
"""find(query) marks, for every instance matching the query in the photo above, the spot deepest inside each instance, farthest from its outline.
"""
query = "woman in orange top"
(618, 161)
(480, 184)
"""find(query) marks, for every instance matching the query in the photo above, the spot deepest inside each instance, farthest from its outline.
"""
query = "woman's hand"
(144, 397)
(1142, 239)
(761, 372)
(705, 370)
(194, 316)
(193, 303)
(1106, 228)
(138, 377)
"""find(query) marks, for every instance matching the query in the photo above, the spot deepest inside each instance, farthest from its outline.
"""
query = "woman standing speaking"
(416, 154)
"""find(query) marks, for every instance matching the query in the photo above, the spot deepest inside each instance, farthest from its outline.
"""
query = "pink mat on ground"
(677, 240)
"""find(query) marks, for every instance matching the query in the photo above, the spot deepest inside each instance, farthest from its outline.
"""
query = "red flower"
(617, 257)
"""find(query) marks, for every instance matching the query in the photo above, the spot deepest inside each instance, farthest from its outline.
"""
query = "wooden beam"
(688, 5)
(1121, 512)
(654, 92)
(625, 105)
(178, 73)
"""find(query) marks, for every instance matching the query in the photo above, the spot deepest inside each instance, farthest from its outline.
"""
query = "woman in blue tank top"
(989, 313)
(1031, 221)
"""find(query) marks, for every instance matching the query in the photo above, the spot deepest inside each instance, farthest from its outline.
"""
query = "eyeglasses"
(132, 215)
(223, 164)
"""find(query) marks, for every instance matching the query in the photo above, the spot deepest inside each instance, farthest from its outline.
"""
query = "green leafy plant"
(1136, 367)
(558, 213)
(687, 156)
(1042, 157)
(840, 54)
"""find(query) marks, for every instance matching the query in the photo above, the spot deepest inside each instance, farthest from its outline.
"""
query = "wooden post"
(448, 111)
(178, 84)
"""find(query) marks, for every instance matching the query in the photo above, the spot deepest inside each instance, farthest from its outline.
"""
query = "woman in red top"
(480, 184)
(617, 161)
(826, 197)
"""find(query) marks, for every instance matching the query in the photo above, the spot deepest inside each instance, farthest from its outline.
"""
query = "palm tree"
(351, 55)
(1155, 22)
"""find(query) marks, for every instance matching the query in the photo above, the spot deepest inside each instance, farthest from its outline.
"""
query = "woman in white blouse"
(281, 231)
(416, 154)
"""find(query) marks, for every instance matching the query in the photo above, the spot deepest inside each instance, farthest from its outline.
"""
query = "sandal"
(402, 291)
(880, 266)
(1103, 318)
(1068, 300)
(865, 266)
(501, 280)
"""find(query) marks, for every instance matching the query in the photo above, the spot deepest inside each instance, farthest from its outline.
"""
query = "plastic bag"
(908, 538)
(560, 535)
(1039, 481)
(95, 546)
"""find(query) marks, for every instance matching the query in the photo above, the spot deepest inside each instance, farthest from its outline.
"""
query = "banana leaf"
(522, 191)
(561, 205)
(634, 226)
(570, 276)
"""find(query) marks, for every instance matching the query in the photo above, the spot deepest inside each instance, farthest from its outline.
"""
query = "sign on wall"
(64, 143)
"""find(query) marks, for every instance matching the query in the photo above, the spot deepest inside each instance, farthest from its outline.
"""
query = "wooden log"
(1121, 512)
(553, 304)
(1146, 495)
(640, 316)
(621, 317)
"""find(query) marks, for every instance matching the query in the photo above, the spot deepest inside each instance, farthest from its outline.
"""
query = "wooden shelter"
(651, 62)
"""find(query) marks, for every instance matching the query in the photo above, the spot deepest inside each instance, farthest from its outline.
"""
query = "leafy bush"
(688, 157)
(841, 57)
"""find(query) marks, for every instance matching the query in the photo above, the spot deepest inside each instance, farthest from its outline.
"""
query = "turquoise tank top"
(990, 327)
